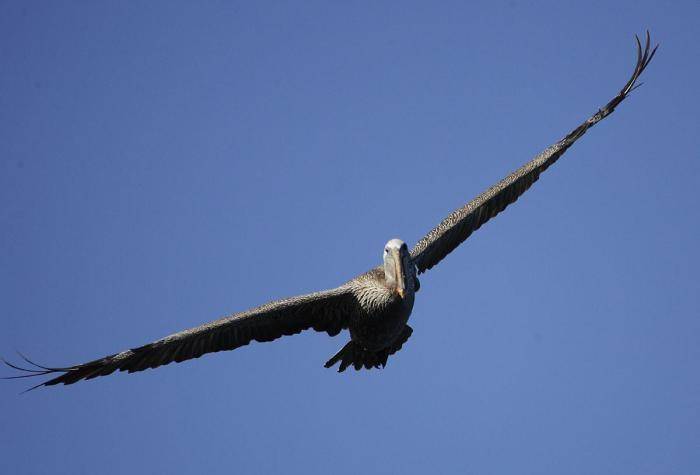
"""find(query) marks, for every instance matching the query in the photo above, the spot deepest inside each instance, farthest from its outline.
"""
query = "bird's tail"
(359, 357)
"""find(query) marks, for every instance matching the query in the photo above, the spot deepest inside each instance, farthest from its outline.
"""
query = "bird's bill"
(399, 273)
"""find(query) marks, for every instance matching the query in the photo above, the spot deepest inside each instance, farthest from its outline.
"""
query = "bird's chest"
(378, 328)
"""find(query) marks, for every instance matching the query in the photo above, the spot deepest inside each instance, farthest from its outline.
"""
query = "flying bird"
(374, 306)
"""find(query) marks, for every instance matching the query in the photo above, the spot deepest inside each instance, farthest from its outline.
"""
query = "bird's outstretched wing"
(459, 225)
(327, 311)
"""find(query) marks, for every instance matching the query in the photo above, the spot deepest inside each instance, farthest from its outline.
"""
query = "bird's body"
(377, 324)
(382, 313)
(374, 306)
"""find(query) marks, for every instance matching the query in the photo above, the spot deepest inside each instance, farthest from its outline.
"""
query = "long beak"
(400, 282)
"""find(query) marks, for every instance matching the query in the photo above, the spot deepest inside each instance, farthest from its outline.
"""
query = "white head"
(397, 262)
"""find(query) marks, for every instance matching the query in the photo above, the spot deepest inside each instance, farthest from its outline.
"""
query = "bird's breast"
(382, 319)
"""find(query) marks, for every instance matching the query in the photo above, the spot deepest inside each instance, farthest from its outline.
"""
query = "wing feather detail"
(460, 224)
(327, 311)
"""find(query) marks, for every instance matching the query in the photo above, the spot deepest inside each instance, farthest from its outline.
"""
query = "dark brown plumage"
(374, 306)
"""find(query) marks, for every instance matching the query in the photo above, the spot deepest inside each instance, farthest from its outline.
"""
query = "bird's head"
(397, 262)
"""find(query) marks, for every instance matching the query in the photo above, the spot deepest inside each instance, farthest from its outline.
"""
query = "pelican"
(374, 306)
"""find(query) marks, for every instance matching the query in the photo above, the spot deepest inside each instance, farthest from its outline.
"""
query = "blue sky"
(166, 163)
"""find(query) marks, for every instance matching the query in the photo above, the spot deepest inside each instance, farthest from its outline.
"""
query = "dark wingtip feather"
(32, 372)
(19, 368)
(33, 388)
(45, 368)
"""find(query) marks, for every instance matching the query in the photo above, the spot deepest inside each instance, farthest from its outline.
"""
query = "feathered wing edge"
(460, 224)
(327, 311)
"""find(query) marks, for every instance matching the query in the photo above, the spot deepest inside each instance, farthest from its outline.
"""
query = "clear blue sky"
(164, 163)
